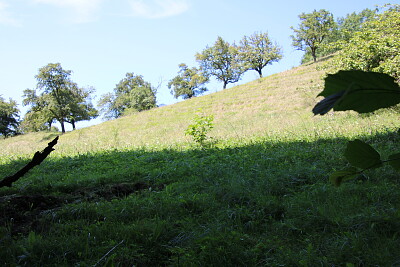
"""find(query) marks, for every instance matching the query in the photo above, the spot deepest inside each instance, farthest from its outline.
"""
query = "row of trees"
(56, 98)
(318, 34)
(226, 62)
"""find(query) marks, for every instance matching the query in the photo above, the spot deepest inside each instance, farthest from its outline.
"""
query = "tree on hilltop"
(60, 98)
(257, 51)
(222, 61)
(314, 28)
(188, 83)
(132, 93)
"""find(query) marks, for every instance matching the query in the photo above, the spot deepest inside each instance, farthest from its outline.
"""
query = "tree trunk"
(62, 126)
(73, 124)
(260, 73)
(225, 83)
(314, 53)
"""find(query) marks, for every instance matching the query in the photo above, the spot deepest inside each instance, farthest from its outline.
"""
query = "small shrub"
(200, 127)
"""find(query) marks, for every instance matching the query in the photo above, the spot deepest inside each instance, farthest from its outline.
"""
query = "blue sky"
(102, 40)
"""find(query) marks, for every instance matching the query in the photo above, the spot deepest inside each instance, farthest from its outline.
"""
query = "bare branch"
(36, 160)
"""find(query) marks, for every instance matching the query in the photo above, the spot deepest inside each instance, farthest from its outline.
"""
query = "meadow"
(137, 191)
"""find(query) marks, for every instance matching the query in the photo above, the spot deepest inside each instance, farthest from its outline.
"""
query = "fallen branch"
(36, 160)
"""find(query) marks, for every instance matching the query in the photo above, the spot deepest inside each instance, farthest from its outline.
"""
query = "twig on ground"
(105, 255)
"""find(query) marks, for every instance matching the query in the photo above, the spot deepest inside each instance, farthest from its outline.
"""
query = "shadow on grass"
(50, 136)
(264, 203)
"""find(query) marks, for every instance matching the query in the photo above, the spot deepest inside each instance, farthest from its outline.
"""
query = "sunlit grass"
(275, 106)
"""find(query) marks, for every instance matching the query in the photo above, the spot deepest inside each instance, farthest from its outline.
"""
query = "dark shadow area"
(254, 198)
(50, 136)
(24, 211)
(117, 174)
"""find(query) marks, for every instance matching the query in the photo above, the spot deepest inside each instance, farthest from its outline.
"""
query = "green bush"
(200, 127)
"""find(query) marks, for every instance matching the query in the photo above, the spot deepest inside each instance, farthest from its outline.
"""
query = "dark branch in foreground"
(36, 160)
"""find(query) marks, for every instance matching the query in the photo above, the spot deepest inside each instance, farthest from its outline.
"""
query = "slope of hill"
(277, 105)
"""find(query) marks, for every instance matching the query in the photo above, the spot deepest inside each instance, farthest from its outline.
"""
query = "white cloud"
(83, 10)
(155, 9)
(6, 17)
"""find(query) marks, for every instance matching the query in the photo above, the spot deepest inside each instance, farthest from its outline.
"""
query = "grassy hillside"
(275, 106)
(137, 191)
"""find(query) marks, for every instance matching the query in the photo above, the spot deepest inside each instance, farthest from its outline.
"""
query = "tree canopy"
(59, 99)
(257, 51)
(9, 117)
(221, 61)
(353, 23)
(344, 29)
(39, 116)
(312, 31)
(132, 93)
(188, 83)
(375, 48)
(82, 108)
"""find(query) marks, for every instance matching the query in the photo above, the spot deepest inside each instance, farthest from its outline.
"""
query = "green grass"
(137, 191)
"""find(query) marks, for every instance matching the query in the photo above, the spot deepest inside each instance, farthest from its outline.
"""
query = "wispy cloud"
(155, 9)
(6, 17)
(83, 10)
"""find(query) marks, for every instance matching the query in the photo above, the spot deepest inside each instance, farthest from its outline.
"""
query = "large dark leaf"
(362, 155)
(395, 161)
(327, 103)
(340, 176)
(358, 90)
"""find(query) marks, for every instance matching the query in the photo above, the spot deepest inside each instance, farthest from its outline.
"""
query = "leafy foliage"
(9, 115)
(374, 48)
(200, 127)
(257, 51)
(313, 29)
(82, 109)
(394, 161)
(363, 92)
(188, 83)
(359, 91)
(38, 117)
(222, 61)
(132, 93)
(362, 155)
(354, 22)
(344, 28)
(60, 99)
